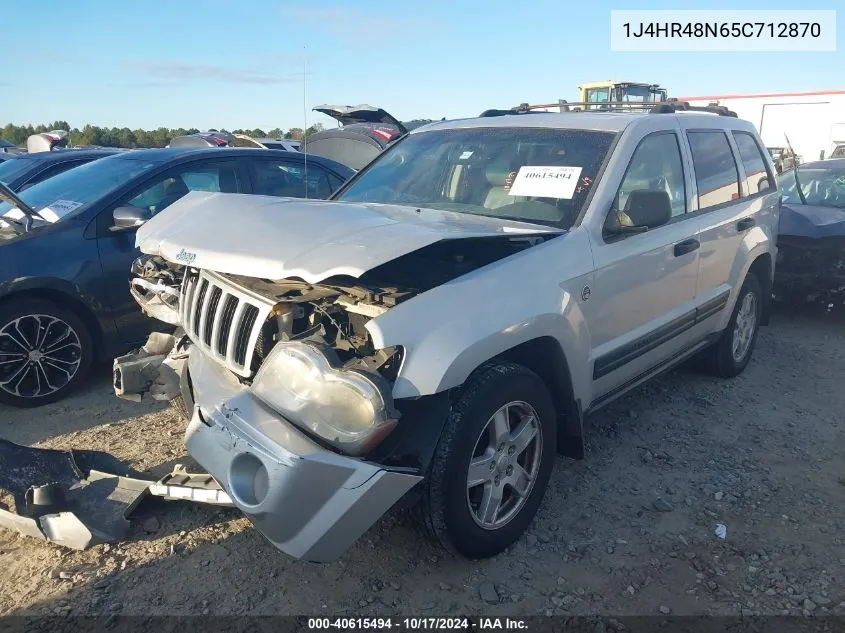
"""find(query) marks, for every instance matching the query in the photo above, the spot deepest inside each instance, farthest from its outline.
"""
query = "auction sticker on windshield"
(546, 182)
(58, 209)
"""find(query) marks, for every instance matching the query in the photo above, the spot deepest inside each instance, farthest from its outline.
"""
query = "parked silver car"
(438, 330)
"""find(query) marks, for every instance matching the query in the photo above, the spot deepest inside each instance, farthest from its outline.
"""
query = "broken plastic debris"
(76, 510)
(721, 531)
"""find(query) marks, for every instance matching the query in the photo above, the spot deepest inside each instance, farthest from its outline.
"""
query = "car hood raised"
(812, 221)
(277, 238)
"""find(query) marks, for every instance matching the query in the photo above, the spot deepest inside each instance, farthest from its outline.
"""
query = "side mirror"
(129, 217)
(644, 209)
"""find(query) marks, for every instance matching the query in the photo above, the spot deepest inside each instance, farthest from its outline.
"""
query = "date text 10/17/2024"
(416, 624)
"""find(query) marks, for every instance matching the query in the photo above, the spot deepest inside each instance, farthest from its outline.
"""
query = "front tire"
(732, 352)
(178, 406)
(46, 351)
(492, 463)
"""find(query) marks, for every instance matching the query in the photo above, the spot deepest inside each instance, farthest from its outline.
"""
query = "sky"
(243, 64)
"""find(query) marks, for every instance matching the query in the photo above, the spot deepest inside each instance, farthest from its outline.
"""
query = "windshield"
(70, 192)
(822, 186)
(639, 93)
(14, 168)
(839, 152)
(526, 174)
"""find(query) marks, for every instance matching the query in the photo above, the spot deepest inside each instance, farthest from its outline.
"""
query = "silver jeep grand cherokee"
(438, 330)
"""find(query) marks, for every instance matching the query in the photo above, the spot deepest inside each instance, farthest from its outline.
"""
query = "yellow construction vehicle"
(598, 92)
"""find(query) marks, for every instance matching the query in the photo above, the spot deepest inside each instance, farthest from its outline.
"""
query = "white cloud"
(169, 71)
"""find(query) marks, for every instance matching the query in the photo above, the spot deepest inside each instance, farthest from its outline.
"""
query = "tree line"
(124, 137)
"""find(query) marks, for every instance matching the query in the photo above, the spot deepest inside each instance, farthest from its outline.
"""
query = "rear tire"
(46, 351)
(732, 352)
(492, 464)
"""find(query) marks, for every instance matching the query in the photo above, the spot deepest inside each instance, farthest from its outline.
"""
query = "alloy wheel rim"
(746, 323)
(504, 465)
(39, 355)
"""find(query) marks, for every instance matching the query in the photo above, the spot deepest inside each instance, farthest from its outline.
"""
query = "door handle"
(687, 246)
(744, 224)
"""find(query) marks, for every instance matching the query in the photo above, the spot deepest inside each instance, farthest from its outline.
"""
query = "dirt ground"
(628, 531)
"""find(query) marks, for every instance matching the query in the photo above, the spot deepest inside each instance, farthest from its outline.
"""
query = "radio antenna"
(305, 111)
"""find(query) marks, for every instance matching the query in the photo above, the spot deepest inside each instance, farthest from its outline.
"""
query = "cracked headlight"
(349, 409)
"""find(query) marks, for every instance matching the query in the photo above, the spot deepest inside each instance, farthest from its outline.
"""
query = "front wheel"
(178, 406)
(492, 463)
(45, 352)
(732, 352)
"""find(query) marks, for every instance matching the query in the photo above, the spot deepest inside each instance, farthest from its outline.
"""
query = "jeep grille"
(221, 319)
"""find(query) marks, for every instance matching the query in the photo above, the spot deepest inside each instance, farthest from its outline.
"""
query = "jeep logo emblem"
(185, 257)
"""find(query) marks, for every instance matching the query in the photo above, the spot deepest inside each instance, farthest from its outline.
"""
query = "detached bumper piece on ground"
(81, 498)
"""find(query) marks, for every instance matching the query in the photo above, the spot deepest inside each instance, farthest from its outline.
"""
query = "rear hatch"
(366, 131)
(362, 113)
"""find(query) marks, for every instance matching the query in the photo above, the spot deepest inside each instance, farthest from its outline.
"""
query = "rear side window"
(56, 169)
(756, 171)
(716, 173)
(335, 181)
(288, 179)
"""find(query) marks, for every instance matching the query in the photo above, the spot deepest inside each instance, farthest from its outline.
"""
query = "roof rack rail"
(652, 107)
(668, 107)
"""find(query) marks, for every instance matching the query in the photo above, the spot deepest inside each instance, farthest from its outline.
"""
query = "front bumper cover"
(310, 502)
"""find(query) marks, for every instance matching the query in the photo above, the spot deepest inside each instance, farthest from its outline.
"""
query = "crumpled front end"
(291, 397)
(155, 369)
(310, 502)
(155, 287)
(810, 270)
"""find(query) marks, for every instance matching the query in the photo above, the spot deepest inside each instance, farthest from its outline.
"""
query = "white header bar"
(736, 31)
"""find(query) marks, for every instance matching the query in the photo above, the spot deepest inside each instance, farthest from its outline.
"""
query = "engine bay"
(334, 313)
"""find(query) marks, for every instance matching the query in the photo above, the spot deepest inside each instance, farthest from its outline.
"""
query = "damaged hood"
(276, 238)
(811, 221)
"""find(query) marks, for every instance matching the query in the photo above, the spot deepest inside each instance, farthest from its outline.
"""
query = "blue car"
(25, 170)
(67, 245)
(811, 235)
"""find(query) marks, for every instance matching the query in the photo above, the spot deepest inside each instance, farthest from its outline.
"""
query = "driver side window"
(655, 166)
(170, 187)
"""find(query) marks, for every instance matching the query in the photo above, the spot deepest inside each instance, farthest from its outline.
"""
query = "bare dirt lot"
(630, 530)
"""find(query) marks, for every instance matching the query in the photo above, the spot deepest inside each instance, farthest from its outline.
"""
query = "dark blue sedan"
(66, 252)
(25, 170)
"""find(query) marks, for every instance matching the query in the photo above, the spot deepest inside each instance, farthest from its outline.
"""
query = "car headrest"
(497, 172)
(176, 187)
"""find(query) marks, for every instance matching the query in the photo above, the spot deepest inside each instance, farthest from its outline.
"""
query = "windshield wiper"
(795, 170)
(10, 196)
